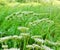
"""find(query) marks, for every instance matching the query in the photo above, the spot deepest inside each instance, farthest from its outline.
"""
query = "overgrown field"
(30, 26)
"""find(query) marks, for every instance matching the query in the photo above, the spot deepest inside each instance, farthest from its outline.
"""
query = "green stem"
(24, 45)
(29, 49)
(36, 48)
(14, 42)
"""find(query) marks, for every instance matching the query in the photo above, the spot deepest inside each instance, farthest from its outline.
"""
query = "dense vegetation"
(29, 26)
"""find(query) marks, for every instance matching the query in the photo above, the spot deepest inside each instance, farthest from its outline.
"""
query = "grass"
(42, 20)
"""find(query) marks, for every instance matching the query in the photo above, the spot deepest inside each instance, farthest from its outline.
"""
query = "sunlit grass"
(56, 2)
(30, 24)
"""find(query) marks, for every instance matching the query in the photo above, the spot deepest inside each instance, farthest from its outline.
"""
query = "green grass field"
(40, 20)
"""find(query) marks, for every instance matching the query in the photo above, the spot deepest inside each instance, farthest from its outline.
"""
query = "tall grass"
(40, 20)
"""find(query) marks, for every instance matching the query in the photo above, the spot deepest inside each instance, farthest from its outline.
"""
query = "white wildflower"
(36, 46)
(41, 20)
(14, 49)
(5, 46)
(25, 34)
(5, 38)
(39, 40)
(38, 21)
(16, 37)
(19, 37)
(46, 48)
(36, 36)
(29, 46)
(52, 43)
(27, 12)
(23, 28)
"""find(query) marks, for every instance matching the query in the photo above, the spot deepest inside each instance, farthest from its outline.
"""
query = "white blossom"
(14, 49)
(5, 46)
(29, 46)
(36, 36)
(36, 46)
(46, 48)
(23, 28)
(39, 40)
(25, 34)
(27, 12)
(5, 38)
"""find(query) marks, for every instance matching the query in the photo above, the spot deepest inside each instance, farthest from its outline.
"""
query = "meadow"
(29, 26)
